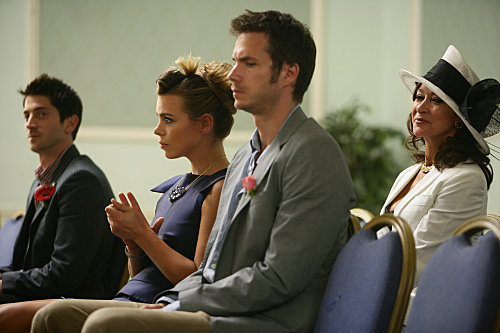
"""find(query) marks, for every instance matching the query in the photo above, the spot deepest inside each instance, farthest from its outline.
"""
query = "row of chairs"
(8, 234)
(369, 286)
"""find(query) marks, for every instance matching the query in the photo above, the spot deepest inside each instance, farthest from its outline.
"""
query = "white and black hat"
(476, 102)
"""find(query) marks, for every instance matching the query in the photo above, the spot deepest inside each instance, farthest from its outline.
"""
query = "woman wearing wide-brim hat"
(453, 111)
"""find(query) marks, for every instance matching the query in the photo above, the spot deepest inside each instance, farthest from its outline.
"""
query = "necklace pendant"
(425, 169)
(176, 193)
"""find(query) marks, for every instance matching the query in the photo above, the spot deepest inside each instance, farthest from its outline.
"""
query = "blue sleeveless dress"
(179, 230)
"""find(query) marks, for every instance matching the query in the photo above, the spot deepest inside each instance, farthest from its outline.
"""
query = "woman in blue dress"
(195, 110)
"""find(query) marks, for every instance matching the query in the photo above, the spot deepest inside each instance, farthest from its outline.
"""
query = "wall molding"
(33, 40)
(415, 36)
(143, 135)
(316, 89)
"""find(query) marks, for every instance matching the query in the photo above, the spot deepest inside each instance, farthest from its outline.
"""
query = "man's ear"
(207, 122)
(290, 73)
(70, 123)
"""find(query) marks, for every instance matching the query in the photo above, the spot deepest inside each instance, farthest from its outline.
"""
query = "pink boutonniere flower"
(250, 185)
(44, 193)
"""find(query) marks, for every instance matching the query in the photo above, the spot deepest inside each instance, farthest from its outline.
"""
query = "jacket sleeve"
(4, 269)
(71, 230)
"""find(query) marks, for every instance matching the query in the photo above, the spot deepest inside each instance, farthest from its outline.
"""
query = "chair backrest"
(370, 283)
(115, 273)
(353, 225)
(496, 217)
(125, 277)
(8, 235)
(459, 290)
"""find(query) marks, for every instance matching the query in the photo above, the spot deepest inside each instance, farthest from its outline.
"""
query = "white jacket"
(438, 205)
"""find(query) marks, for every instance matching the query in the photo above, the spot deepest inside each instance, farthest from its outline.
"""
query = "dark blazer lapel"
(70, 154)
(31, 196)
(66, 159)
(21, 243)
(37, 216)
(31, 224)
(32, 203)
(295, 120)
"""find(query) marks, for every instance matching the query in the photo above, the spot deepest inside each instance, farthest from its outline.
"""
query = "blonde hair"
(205, 91)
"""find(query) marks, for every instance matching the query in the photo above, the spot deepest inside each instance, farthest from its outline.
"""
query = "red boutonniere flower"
(250, 185)
(44, 193)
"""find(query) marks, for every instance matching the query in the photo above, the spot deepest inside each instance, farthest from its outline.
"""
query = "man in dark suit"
(64, 245)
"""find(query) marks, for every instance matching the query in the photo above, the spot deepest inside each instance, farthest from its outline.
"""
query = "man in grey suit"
(64, 245)
(275, 239)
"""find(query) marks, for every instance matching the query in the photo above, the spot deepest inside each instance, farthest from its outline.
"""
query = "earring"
(459, 124)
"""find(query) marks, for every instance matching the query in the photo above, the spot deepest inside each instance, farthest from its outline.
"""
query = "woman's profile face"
(432, 118)
(178, 135)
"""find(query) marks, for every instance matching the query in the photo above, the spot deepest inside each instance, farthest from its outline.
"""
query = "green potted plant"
(368, 152)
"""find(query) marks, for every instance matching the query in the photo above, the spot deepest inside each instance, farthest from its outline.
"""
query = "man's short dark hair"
(289, 41)
(61, 96)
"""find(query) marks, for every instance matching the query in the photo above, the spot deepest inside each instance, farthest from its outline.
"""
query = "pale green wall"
(17, 162)
(366, 43)
(112, 52)
(473, 27)
(369, 41)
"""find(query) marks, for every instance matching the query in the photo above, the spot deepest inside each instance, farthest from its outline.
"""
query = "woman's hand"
(132, 245)
(127, 221)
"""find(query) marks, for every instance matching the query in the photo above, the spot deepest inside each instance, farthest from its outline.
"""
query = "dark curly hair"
(460, 148)
(61, 96)
(289, 41)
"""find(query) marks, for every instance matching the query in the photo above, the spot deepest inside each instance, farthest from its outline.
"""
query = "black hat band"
(449, 80)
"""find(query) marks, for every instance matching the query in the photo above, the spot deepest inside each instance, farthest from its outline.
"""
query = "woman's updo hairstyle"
(205, 91)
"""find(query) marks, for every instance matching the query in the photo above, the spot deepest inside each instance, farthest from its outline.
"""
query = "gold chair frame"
(492, 223)
(363, 214)
(408, 265)
(125, 276)
(353, 225)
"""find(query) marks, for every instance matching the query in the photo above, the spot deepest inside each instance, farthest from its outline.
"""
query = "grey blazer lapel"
(272, 151)
(232, 178)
